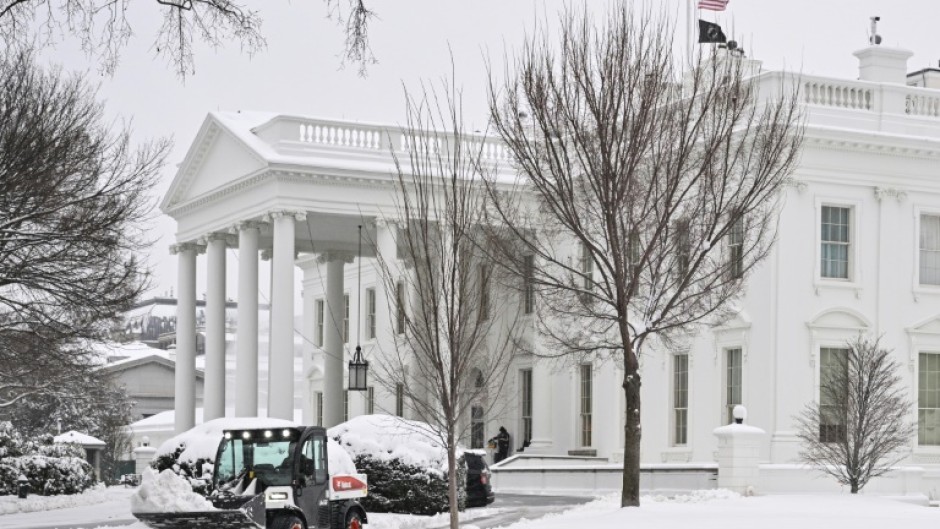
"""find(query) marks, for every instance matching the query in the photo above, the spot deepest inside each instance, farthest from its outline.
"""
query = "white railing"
(838, 94)
(379, 139)
(922, 105)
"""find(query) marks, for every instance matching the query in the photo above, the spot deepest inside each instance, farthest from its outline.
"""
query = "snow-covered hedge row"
(51, 469)
(405, 463)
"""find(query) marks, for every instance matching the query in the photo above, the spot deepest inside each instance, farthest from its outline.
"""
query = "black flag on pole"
(709, 32)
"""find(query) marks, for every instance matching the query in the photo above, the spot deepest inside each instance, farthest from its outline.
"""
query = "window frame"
(918, 284)
(399, 399)
(679, 431)
(346, 317)
(917, 404)
(401, 314)
(728, 381)
(585, 420)
(320, 315)
(484, 290)
(371, 329)
(528, 284)
(525, 403)
(855, 267)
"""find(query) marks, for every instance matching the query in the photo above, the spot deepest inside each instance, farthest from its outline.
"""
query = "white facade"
(297, 188)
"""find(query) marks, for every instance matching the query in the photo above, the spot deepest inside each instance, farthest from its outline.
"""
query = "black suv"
(479, 489)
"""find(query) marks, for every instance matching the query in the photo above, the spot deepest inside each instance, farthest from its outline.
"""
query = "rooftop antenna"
(873, 37)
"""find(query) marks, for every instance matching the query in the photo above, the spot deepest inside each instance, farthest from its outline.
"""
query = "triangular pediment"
(928, 326)
(839, 318)
(217, 157)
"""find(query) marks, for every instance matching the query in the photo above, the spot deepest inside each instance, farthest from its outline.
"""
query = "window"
(525, 377)
(833, 367)
(319, 408)
(345, 405)
(345, 318)
(400, 307)
(321, 316)
(370, 313)
(733, 371)
(587, 267)
(834, 237)
(680, 399)
(400, 399)
(484, 292)
(633, 250)
(370, 400)
(586, 404)
(928, 399)
(528, 284)
(682, 247)
(930, 249)
(736, 249)
(477, 427)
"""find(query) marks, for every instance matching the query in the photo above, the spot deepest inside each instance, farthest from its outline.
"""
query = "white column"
(542, 407)
(310, 269)
(333, 375)
(281, 359)
(246, 349)
(185, 394)
(214, 395)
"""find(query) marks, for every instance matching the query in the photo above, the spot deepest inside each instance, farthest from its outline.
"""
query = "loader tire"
(353, 521)
(288, 521)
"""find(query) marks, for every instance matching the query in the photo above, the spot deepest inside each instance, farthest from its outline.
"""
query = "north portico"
(292, 190)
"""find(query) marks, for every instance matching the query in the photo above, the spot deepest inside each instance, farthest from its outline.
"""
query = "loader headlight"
(286, 433)
(268, 434)
(275, 496)
(246, 435)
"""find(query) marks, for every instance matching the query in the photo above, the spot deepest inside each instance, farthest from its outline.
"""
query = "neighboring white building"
(858, 251)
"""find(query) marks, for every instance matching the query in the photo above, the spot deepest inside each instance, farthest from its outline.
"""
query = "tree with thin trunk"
(453, 335)
(859, 427)
(648, 188)
(103, 27)
(74, 198)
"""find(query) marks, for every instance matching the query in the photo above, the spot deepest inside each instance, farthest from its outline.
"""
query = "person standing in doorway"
(502, 440)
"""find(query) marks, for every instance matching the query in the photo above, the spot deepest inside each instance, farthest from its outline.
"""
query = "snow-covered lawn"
(35, 502)
(700, 510)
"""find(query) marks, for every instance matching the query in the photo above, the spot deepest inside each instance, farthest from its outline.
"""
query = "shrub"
(50, 468)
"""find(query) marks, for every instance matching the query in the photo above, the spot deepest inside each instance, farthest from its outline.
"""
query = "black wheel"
(353, 521)
(288, 521)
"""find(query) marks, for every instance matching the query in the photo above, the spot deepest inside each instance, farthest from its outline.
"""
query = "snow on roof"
(165, 420)
(388, 437)
(73, 437)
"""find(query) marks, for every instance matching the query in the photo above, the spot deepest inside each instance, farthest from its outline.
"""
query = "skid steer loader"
(274, 479)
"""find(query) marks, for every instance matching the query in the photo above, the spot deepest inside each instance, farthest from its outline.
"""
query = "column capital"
(217, 236)
(381, 222)
(882, 193)
(336, 255)
(266, 254)
(245, 225)
(186, 246)
(278, 213)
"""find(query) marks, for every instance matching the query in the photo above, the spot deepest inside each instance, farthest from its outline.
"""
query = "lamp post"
(358, 367)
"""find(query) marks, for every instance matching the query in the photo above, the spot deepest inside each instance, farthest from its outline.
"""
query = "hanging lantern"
(358, 371)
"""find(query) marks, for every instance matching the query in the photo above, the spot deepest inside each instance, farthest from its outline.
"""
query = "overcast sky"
(299, 70)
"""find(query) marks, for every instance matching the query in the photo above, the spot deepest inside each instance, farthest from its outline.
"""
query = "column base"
(540, 446)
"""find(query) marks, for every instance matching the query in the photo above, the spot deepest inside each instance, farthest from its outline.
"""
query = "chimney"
(883, 65)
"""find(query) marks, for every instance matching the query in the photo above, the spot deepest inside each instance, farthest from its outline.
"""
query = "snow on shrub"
(50, 468)
(405, 461)
(167, 492)
(191, 454)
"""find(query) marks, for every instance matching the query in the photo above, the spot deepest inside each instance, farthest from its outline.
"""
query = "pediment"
(740, 320)
(216, 157)
(839, 318)
(928, 326)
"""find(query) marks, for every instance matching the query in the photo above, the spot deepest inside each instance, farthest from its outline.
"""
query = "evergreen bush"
(50, 468)
(397, 487)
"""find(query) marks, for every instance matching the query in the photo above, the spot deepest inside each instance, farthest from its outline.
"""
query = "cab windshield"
(252, 455)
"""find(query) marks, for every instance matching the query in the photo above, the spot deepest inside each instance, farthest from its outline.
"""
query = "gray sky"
(299, 71)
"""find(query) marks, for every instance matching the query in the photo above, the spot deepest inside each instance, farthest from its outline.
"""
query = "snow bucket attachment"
(251, 515)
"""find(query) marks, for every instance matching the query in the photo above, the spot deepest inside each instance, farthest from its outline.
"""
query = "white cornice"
(888, 144)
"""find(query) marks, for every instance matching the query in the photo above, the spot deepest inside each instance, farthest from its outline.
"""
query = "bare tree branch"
(859, 427)
(635, 176)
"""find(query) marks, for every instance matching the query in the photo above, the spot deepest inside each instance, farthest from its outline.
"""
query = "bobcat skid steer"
(274, 479)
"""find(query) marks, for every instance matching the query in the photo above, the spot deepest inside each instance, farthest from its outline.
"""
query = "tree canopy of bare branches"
(647, 191)
(103, 27)
(857, 429)
(73, 197)
(452, 350)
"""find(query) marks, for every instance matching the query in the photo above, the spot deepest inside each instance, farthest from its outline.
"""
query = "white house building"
(858, 250)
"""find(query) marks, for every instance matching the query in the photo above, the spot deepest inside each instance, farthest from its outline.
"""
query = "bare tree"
(647, 191)
(103, 27)
(454, 341)
(73, 200)
(857, 429)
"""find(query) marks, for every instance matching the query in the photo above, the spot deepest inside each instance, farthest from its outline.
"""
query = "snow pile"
(35, 502)
(385, 437)
(167, 492)
(340, 461)
(696, 496)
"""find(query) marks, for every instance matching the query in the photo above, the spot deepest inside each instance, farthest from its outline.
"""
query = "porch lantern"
(358, 370)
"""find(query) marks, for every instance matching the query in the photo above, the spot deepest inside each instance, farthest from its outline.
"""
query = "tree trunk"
(452, 482)
(630, 496)
(854, 484)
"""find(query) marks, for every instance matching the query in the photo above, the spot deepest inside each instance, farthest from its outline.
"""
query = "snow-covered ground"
(701, 510)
